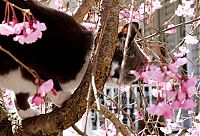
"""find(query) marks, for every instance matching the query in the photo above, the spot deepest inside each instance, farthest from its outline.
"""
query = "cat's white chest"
(14, 81)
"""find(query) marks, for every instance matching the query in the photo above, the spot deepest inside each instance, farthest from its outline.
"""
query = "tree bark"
(83, 10)
(73, 109)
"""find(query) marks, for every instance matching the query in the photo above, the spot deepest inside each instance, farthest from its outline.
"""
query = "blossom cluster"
(185, 9)
(145, 9)
(43, 89)
(172, 88)
(24, 32)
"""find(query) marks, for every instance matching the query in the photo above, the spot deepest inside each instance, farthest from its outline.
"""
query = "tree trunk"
(73, 109)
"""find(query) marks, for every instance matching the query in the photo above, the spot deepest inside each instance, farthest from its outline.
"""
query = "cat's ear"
(124, 31)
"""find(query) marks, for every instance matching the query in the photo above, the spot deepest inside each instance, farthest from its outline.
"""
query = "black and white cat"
(62, 54)
(134, 58)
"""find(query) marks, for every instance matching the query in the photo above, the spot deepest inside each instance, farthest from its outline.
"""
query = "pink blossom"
(152, 109)
(166, 130)
(29, 32)
(125, 13)
(7, 97)
(45, 87)
(173, 71)
(137, 16)
(181, 51)
(161, 109)
(189, 86)
(167, 111)
(137, 74)
(188, 104)
(37, 100)
(89, 26)
(167, 86)
(171, 31)
(156, 4)
(29, 37)
(139, 115)
(171, 1)
(39, 26)
(20, 26)
(176, 105)
(181, 96)
(59, 3)
(151, 7)
(171, 94)
(185, 9)
(180, 62)
(6, 29)
(152, 73)
(189, 39)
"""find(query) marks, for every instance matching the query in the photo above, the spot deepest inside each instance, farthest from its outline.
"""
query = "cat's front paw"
(28, 113)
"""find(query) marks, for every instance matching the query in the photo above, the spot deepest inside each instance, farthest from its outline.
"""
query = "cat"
(62, 54)
(135, 59)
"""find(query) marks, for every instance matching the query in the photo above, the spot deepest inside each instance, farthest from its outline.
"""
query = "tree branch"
(73, 109)
(83, 10)
(112, 117)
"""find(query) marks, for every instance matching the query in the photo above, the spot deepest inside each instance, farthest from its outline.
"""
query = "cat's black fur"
(59, 55)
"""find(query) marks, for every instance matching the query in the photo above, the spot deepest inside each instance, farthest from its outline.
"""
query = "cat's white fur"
(14, 81)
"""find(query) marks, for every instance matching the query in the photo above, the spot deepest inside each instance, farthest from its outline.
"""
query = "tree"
(174, 89)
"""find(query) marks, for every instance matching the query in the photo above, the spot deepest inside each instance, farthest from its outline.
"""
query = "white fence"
(130, 99)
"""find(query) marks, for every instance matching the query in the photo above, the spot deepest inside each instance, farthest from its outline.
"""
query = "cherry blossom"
(25, 32)
(166, 130)
(189, 39)
(153, 73)
(194, 131)
(139, 115)
(37, 100)
(172, 31)
(125, 13)
(149, 8)
(185, 9)
(43, 89)
(8, 99)
(171, 1)
(156, 4)
(59, 3)
(39, 26)
(181, 51)
(29, 34)
(176, 105)
(161, 109)
(188, 104)
(89, 26)
(6, 29)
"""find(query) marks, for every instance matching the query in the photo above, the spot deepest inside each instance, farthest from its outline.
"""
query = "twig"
(30, 70)
(111, 116)
(87, 107)
(78, 130)
(124, 112)
(164, 30)
(23, 10)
